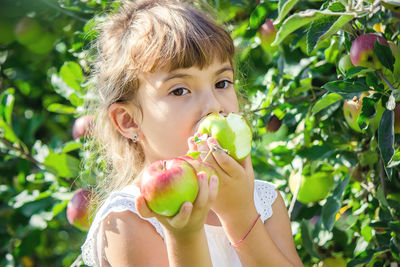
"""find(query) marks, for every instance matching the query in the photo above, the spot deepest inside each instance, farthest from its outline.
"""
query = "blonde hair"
(142, 37)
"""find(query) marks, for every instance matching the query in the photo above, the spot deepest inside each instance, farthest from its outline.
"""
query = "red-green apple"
(267, 33)
(167, 184)
(232, 132)
(362, 50)
(82, 126)
(273, 124)
(77, 209)
(28, 31)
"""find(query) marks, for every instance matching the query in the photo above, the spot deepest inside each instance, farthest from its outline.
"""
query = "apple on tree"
(312, 186)
(82, 126)
(78, 209)
(273, 124)
(362, 51)
(28, 31)
(232, 132)
(167, 184)
(267, 33)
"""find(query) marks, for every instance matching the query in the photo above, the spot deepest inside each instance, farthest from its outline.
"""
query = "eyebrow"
(183, 75)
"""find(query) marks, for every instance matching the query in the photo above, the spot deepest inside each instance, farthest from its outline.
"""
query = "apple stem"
(164, 165)
(382, 76)
(208, 154)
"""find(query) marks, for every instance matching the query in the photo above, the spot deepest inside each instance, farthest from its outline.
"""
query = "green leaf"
(257, 17)
(194, 154)
(307, 239)
(395, 248)
(368, 107)
(354, 71)
(384, 55)
(62, 165)
(66, 91)
(301, 19)
(326, 101)
(72, 75)
(386, 138)
(362, 258)
(345, 87)
(284, 7)
(395, 160)
(331, 207)
(60, 108)
(6, 104)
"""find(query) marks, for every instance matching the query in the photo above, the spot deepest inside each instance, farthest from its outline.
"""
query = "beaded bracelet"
(244, 237)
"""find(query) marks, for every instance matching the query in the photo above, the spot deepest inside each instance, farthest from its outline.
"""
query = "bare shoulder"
(279, 228)
(128, 240)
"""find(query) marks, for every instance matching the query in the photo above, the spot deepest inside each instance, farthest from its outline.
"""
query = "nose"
(212, 103)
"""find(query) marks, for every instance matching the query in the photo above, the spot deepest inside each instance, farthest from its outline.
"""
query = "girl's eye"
(223, 84)
(179, 91)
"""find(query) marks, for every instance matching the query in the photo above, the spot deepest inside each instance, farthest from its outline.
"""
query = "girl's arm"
(130, 241)
(237, 212)
(268, 244)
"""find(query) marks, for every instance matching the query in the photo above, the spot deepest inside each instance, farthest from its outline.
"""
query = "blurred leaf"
(395, 248)
(362, 258)
(7, 100)
(307, 239)
(345, 87)
(62, 165)
(368, 107)
(384, 55)
(258, 16)
(326, 101)
(386, 138)
(354, 71)
(60, 108)
(72, 75)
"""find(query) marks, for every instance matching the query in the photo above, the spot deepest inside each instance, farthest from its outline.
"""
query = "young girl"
(162, 67)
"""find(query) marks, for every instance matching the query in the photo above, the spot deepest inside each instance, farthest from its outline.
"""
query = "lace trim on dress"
(265, 195)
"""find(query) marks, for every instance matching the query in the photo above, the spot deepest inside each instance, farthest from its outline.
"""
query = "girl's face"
(174, 102)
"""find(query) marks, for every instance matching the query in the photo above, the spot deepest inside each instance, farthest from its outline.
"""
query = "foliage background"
(42, 93)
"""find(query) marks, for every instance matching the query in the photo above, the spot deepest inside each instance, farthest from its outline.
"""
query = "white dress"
(222, 253)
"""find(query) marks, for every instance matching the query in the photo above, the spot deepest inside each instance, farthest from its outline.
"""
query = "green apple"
(167, 184)
(334, 262)
(28, 31)
(345, 64)
(44, 45)
(362, 51)
(78, 209)
(232, 132)
(313, 187)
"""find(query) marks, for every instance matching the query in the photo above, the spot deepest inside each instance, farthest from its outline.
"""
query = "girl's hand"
(236, 192)
(191, 217)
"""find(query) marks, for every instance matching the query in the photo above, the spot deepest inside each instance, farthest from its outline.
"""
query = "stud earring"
(134, 138)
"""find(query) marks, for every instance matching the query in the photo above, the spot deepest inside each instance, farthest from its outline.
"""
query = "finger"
(202, 196)
(192, 146)
(142, 208)
(182, 217)
(213, 188)
(225, 162)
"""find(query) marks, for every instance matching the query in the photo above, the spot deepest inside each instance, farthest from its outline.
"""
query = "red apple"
(81, 126)
(77, 209)
(274, 124)
(167, 184)
(362, 51)
(397, 118)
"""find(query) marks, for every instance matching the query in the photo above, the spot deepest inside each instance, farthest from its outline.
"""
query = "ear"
(123, 119)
